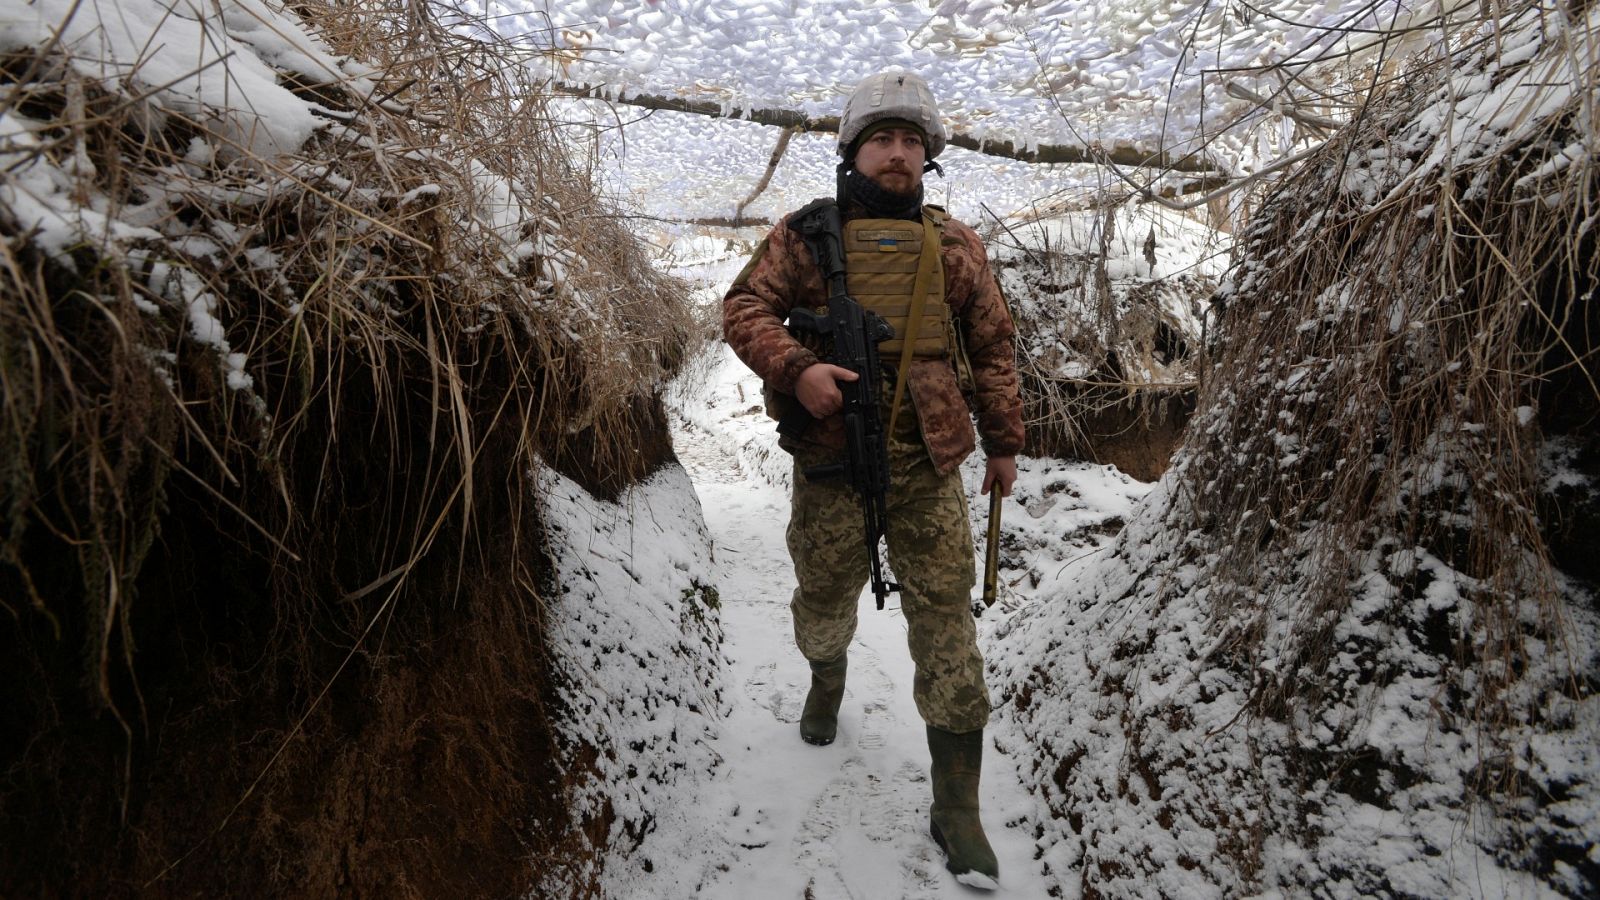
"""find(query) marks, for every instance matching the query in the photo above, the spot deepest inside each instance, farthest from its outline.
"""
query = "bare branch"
(766, 177)
(705, 222)
(785, 118)
(1285, 105)
(1232, 186)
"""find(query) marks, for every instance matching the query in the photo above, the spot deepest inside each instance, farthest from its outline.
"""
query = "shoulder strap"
(805, 219)
(931, 232)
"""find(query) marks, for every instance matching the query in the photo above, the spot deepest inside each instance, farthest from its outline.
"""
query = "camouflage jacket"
(782, 275)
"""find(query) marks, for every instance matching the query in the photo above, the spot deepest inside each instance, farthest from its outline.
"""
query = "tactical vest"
(882, 262)
(888, 263)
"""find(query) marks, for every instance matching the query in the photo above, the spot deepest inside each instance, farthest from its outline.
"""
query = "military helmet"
(892, 95)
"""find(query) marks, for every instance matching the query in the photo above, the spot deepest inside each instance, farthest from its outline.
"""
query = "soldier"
(961, 361)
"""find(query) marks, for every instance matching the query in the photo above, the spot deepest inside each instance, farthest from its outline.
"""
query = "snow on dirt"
(682, 676)
(782, 818)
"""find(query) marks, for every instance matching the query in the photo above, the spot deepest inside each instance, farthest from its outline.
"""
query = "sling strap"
(927, 266)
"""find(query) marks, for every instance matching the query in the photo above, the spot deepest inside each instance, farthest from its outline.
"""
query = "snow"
(738, 806)
(213, 63)
(775, 816)
(1133, 683)
(1510, 90)
(679, 672)
(636, 635)
(1122, 713)
(978, 880)
(188, 57)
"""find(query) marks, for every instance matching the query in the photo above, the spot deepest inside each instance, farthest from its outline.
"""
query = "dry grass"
(1387, 369)
(410, 363)
(1349, 644)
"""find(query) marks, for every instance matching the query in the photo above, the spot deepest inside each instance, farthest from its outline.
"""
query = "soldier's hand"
(817, 391)
(1001, 470)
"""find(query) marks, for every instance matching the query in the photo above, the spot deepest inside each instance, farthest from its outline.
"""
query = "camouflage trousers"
(930, 552)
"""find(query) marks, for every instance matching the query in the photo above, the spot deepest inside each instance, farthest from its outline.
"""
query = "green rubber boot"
(957, 761)
(819, 722)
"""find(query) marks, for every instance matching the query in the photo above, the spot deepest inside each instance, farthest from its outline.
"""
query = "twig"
(766, 177)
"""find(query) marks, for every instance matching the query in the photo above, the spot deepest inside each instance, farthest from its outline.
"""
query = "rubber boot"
(819, 721)
(957, 762)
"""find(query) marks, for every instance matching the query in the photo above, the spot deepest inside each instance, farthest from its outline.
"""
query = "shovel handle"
(991, 558)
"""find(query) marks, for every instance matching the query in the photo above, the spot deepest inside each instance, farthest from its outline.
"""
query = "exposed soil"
(1135, 429)
(422, 771)
(303, 726)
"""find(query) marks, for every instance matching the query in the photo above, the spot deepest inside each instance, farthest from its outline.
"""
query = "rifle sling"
(926, 266)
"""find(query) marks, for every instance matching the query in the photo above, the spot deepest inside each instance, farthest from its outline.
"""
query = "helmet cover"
(892, 95)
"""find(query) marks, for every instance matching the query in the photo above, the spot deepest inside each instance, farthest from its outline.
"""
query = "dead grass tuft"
(232, 543)
(1396, 347)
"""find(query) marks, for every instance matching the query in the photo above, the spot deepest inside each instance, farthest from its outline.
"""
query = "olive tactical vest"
(882, 262)
(888, 263)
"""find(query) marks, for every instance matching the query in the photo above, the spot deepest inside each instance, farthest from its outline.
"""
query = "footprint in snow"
(760, 680)
(784, 699)
(895, 806)
(859, 805)
(869, 685)
(787, 703)
(815, 849)
(873, 731)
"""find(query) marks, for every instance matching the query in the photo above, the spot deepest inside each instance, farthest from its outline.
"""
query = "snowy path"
(844, 821)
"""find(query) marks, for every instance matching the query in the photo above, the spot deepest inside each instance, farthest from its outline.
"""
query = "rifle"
(856, 333)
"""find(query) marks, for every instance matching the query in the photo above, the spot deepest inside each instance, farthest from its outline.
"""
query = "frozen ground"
(780, 818)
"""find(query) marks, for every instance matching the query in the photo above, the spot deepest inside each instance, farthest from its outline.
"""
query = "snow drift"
(1347, 646)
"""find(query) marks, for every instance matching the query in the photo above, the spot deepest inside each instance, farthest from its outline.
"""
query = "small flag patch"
(887, 245)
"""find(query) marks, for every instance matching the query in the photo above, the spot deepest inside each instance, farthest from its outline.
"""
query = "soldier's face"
(893, 158)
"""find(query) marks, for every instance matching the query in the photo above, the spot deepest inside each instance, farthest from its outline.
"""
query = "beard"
(896, 180)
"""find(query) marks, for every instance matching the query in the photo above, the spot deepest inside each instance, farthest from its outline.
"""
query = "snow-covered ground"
(682, 674)
(756, 812)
